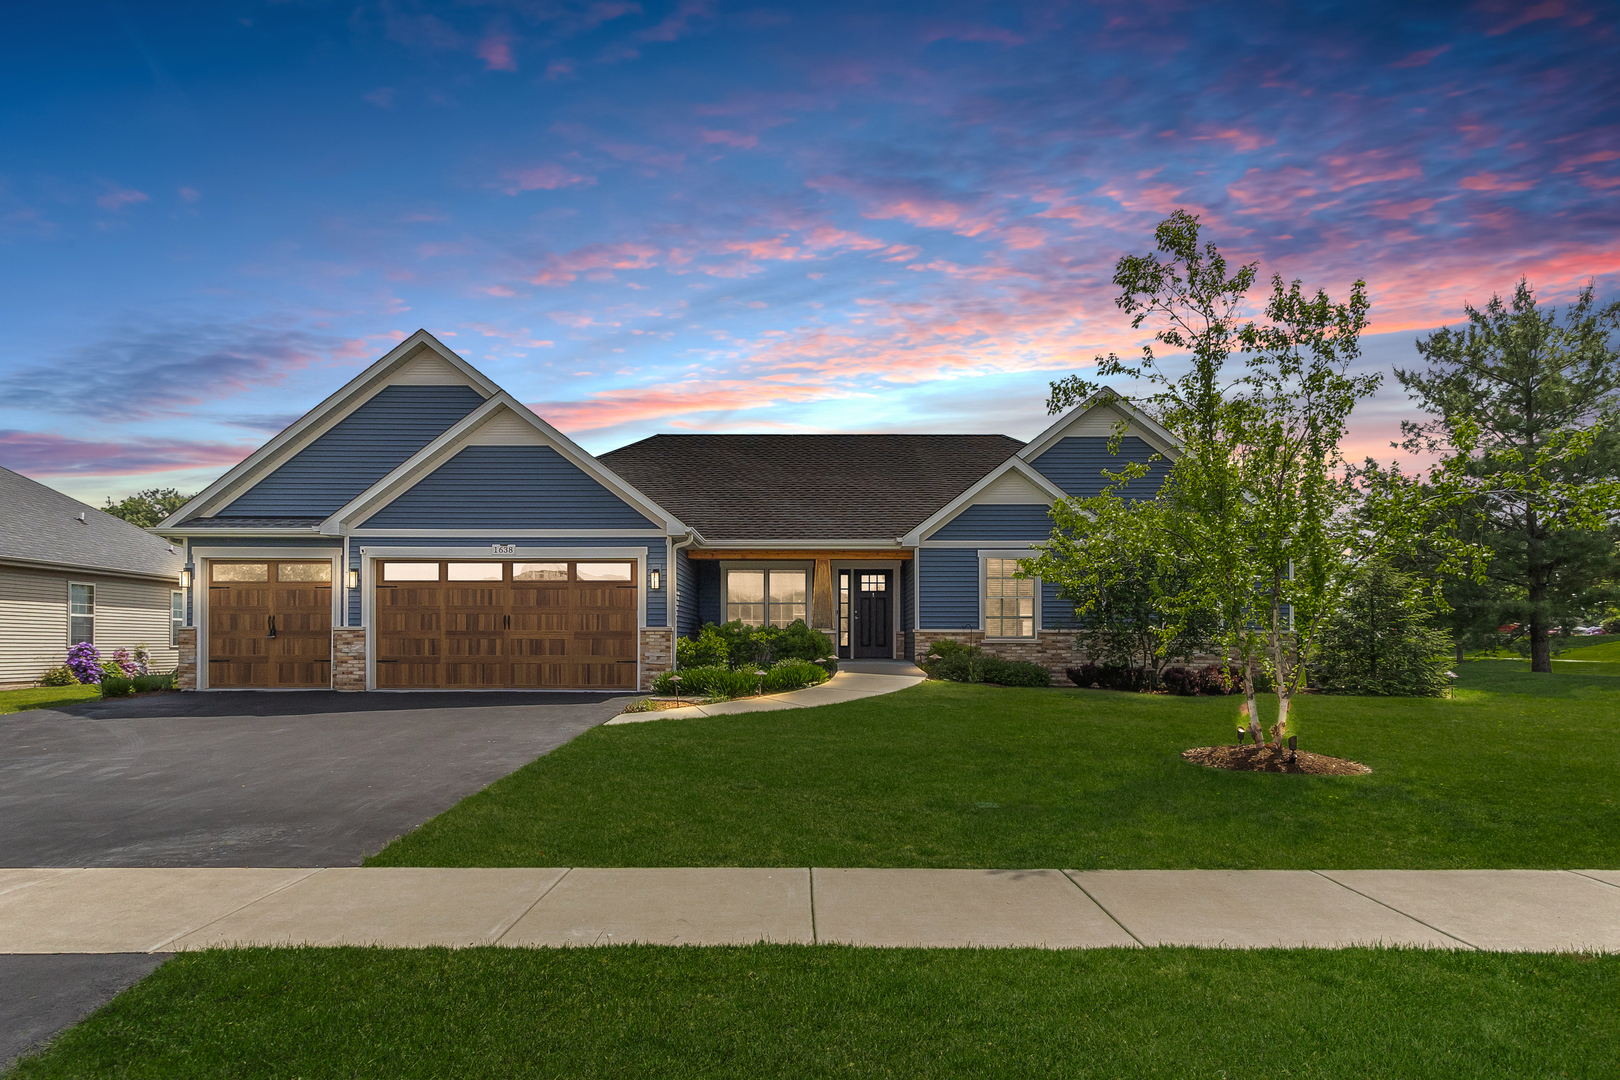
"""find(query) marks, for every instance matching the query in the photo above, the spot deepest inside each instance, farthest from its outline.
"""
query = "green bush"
(787, 675)
(738, 645)
(111, 669)
(1381, 641)
(147, 683)
(116, 686)
(956, 662)
(58, 676)
(711, 682)
(709, 649)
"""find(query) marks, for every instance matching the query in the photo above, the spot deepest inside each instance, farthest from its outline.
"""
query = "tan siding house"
(70, 572)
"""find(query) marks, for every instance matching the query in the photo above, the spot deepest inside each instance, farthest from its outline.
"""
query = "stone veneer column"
(657, 653)
(186, 674)
(349, 658)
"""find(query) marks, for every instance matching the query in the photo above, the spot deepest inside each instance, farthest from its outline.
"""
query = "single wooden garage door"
(484, 625)
(270, 624)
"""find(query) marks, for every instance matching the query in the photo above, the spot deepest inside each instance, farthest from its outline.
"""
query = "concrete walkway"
(157, 910)
(855, 680)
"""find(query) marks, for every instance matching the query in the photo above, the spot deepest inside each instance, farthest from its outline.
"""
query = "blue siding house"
(421, 529)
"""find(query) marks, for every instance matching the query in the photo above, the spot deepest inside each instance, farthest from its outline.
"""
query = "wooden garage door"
(483, 625)
(270, 624)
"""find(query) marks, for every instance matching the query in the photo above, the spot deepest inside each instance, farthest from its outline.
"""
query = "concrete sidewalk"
(156, 910)
(847, 685)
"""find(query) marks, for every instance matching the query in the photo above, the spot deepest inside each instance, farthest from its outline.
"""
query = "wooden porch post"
(821, 597)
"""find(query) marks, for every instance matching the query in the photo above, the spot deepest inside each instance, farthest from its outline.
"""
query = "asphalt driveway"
(260, 779)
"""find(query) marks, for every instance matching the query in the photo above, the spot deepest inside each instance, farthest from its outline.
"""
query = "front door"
(873, 632)
(270, 624)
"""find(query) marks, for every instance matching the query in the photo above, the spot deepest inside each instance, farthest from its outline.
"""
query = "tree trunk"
(1459, 652)
(1255, 732)
(1540, 646)
(1279, 650)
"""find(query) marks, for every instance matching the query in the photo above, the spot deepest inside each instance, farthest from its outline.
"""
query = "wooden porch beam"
(892, 554)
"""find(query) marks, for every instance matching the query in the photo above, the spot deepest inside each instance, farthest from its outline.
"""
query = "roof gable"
(1013, 483)
(1103, 415)
(421, 360)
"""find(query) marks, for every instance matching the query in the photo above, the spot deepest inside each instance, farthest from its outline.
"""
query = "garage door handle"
(507, 623)
(272, 626)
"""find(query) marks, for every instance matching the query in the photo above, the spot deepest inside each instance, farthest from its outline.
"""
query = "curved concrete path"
(855, 680)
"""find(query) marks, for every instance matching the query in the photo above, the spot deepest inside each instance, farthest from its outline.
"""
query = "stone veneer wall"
(1055, 650)
(349, 658)
(186, 674)
(657, 653)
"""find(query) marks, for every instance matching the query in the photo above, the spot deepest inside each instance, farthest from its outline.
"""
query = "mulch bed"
(1249, 758)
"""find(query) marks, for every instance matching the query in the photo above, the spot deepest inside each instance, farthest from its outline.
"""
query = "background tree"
(1524, 409)
(1381, 640)
(147, 508)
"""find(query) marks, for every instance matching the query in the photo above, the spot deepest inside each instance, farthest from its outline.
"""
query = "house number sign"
(503, 549)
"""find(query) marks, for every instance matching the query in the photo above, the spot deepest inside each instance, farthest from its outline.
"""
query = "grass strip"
(1516, 770)
(40, 697)
(811, 1011)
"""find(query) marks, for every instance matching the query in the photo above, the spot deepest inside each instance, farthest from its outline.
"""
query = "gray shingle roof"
(41, 525)
(807, 487)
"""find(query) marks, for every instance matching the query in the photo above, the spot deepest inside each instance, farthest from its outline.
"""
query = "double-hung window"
(1009, 600)
(81, 614)
(765, 597)
(177, 616)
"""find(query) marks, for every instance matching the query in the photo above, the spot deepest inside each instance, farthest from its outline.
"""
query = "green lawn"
(1517, 770)
(811, 1011)
(40, 697)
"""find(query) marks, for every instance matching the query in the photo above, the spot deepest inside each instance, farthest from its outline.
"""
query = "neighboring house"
(70, 573)
(420, 528)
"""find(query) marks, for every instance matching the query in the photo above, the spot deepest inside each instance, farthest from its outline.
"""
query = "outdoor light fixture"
(354, 579)
(185, 577)
(653, 578)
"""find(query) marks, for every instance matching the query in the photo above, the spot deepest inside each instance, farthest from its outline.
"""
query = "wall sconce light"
(185, 577)
(654, 577)
(354, 579)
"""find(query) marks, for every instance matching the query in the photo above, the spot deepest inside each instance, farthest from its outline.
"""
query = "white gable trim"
(501, 421)
(1040, 485)
(1116, 410)
(420, 359)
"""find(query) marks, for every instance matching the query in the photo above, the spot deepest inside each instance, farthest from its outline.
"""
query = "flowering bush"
(126, 663)
(143, 659)
(85, 663)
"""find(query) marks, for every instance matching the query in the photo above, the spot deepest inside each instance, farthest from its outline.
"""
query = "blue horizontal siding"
(508, 487)
(708, 591)
(688, 619)
(998, 521)
(361, 449)
(657, 559)
(949, 582)
(1076, 465)
(1056, 612)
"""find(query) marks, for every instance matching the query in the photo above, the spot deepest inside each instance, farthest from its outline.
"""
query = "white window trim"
(1010, 553)
(92, 616)
(765, 566)
(176, 625)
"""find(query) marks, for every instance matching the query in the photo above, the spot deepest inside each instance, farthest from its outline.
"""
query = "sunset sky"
(644, 216)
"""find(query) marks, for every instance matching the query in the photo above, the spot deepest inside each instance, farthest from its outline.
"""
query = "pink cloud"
(545, 178)
(116, 198)
(560, 69)
(914, 207)
(1240, 140)
(191, 195)
(594, 259)
(1391, 211)
(1492, 182)
(496, 53)
(1354, 170)
(1548, 9)
(36, 453)
(679, 22)
(730, 138)
(1420, 58)
(1587, 159)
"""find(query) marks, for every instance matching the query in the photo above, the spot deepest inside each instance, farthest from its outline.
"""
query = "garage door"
(270, 624)
(487, 624)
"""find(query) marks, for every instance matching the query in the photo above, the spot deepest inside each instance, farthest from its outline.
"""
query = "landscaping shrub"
(85, 663)
(712, 682)
(738, 645)
(1110, 676)
(58, 676)
(1381, 641)
(956, 662)
(709, 649)
(125, 664)
(1212, 680)
(146, 683)
(116, 686)
(111, 670)
(787, 675)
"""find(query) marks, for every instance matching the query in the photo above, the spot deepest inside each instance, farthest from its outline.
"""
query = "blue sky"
(644, 217)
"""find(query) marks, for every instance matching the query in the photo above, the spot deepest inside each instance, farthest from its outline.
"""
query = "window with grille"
(765, 597)
(1009, 600)
(81, 614)
(177, 617)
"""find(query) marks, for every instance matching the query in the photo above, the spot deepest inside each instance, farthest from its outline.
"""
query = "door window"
(411, 571)
(235, 572)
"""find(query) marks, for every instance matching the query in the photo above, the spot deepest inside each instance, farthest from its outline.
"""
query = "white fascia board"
(440, 450)
(1160, 437)
(315, 423)
(964, 500)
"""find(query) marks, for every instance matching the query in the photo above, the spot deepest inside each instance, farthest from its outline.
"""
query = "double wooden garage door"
(270, 624)
(479, 625)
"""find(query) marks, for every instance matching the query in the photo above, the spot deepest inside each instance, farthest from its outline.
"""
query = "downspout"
(675, 597)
